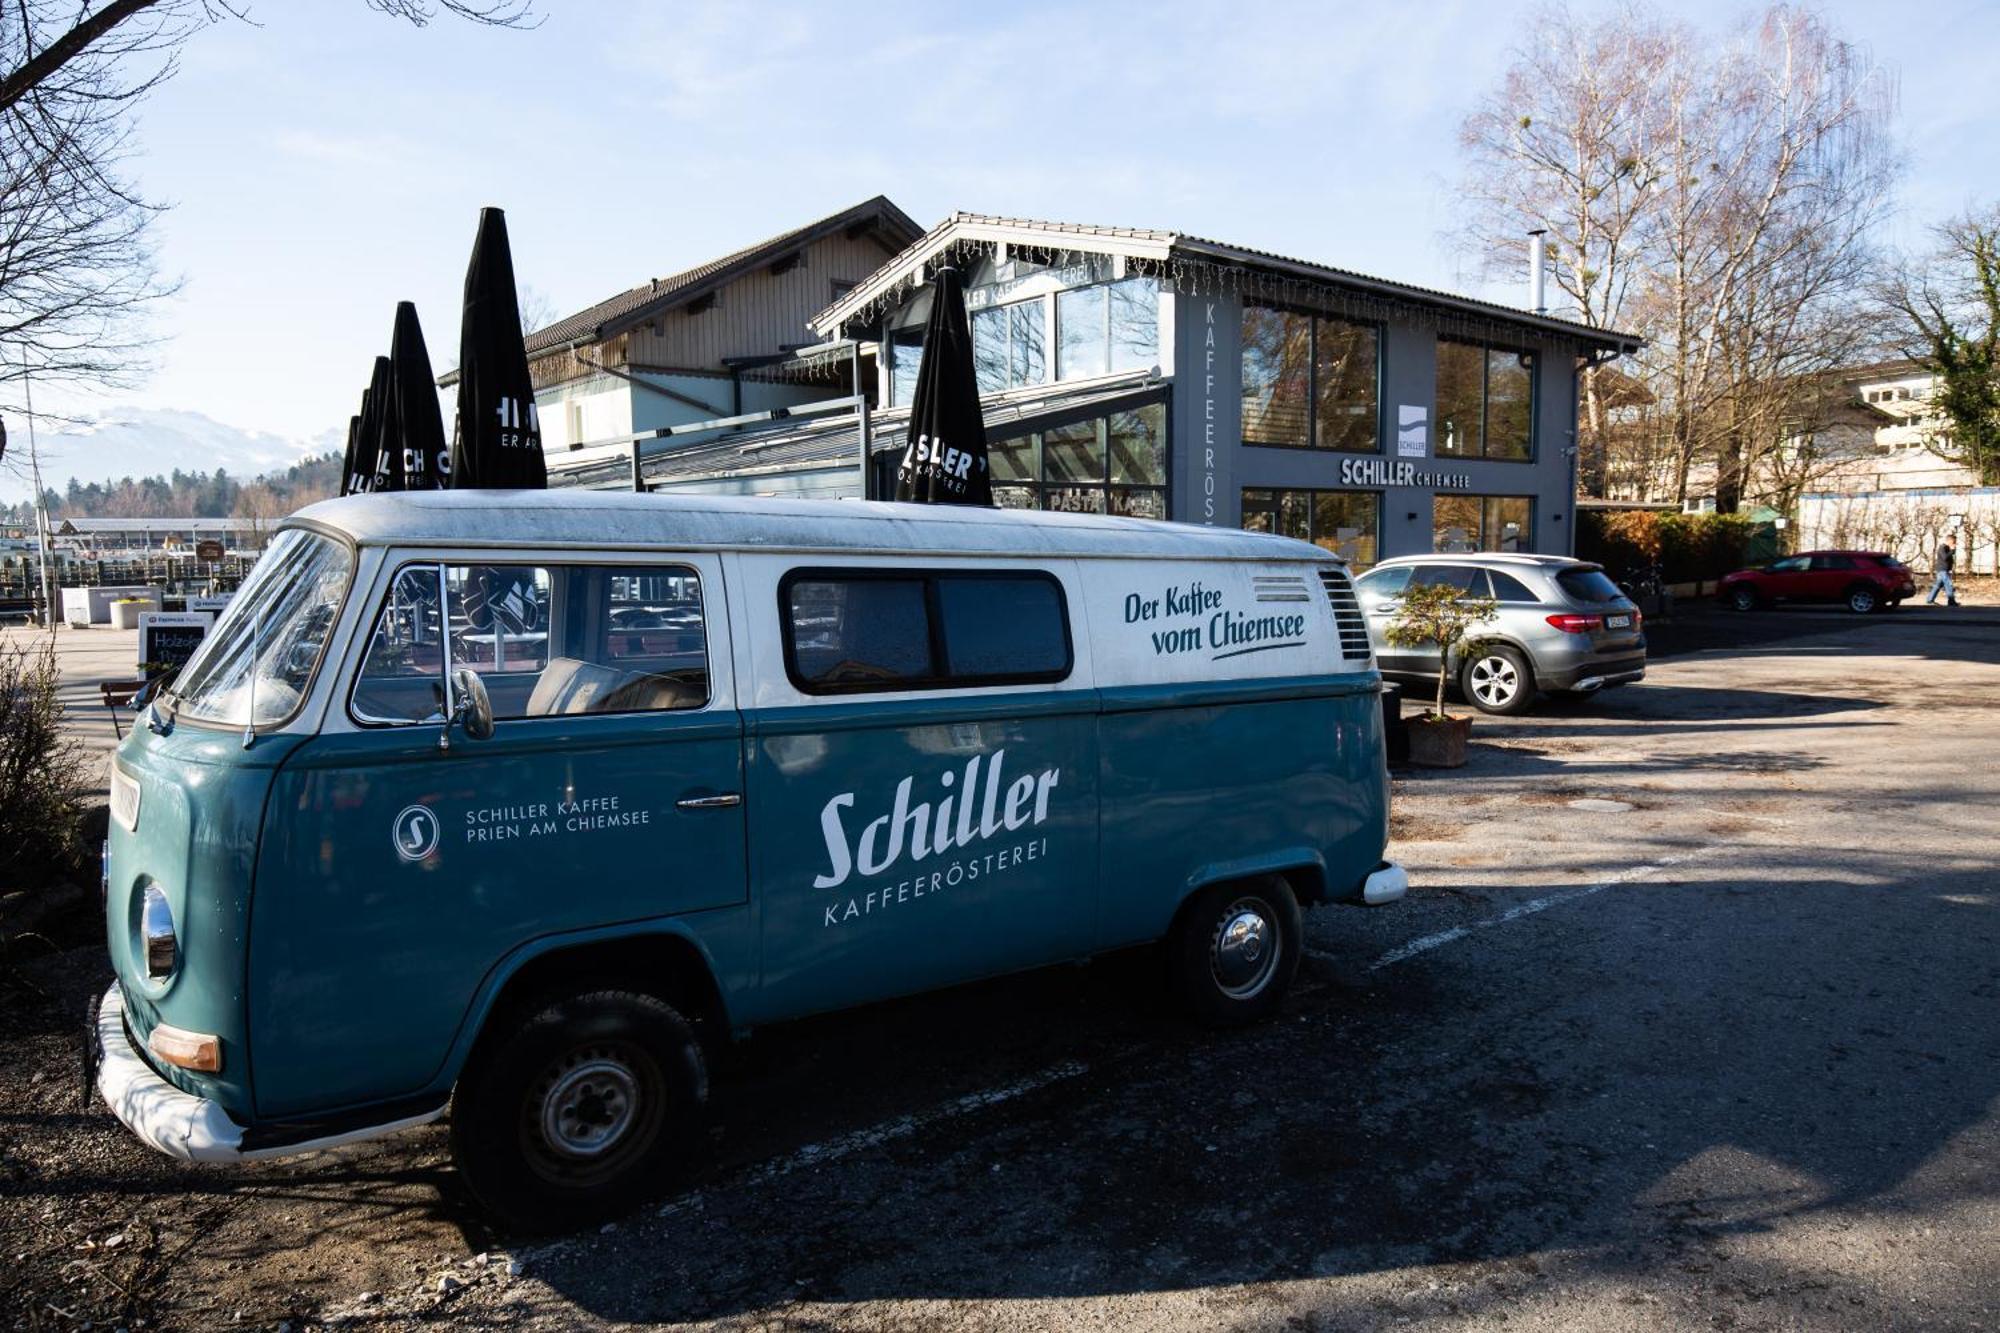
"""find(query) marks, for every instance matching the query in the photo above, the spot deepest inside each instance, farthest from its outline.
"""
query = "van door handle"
(720, 802)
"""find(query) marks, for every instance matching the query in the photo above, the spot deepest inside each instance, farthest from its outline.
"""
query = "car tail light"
(1577, 624)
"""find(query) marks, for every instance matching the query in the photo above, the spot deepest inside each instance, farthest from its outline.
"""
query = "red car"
(1864, 580)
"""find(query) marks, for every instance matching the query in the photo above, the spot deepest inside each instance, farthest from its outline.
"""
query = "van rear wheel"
(1235, 950)
(575, 1110)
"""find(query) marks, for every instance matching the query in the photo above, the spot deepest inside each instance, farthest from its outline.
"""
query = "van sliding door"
(922, 781)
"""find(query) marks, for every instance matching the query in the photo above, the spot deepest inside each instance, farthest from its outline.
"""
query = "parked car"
(1563, 627)
(354, 877)
(1864, 580)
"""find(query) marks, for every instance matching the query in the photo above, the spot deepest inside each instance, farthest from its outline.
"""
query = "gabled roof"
(639, 304)
(1166, 246)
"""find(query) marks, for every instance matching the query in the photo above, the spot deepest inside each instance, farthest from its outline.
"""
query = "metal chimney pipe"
(1537, 297)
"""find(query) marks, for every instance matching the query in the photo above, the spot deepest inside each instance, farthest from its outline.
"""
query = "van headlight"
(156, 935)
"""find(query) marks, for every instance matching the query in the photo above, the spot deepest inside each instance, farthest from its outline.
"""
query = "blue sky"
(330, 162)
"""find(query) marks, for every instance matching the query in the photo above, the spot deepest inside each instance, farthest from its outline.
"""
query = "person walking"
(1945, 561)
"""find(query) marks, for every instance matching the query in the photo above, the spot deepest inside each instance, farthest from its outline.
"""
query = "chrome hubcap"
(1244, 952)
(590, 1107)
(1495, 681)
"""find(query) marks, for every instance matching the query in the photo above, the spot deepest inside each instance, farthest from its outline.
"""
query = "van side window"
(547, 641)
(867, 632)
(854, 631)
(1003, 626)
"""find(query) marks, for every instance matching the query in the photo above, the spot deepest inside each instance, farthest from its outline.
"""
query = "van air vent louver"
(1346, 613)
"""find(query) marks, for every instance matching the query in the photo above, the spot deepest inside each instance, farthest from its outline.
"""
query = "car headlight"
(156, 935)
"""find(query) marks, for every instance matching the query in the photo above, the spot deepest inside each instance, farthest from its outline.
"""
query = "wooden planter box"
(1438, 743)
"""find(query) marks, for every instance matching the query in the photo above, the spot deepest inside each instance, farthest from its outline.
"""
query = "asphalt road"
(1727, 1058)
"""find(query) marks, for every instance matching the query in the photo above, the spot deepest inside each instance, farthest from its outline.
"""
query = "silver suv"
(1563, 626)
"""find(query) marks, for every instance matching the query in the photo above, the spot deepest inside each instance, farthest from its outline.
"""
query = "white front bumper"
(1386, 885)
(178, 1123)
(183, 1125)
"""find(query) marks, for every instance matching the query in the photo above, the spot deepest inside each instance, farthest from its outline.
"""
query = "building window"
(906, 353)
(842, 286)
(1485, 401)
(1009, 348)
(1309, 381)
(1482, 523)
(1348, 523)
(1106, 465)
(1107, 328)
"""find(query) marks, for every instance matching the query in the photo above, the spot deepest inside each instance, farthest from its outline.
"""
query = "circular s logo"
(415, 832)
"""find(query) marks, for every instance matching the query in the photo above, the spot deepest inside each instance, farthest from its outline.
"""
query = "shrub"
(1432, 615)
(1688, 547)
(43, 773)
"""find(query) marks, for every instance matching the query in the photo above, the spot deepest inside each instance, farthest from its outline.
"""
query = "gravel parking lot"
(1717, 1047)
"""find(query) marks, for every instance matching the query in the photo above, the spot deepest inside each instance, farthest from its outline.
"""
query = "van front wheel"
(576, 1110)
(1235, 950)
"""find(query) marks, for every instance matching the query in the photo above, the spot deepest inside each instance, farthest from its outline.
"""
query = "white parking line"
(1425, 943)
(902, 1127)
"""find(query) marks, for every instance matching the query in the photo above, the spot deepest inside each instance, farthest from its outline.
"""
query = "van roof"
(599, 519)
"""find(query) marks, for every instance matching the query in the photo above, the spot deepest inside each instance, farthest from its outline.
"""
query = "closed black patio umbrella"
(347, 473)
(413, 449)
(945, 459)
(496, 440)
(364, 449)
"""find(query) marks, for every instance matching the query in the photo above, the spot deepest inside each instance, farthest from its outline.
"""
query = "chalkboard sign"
(167, 639)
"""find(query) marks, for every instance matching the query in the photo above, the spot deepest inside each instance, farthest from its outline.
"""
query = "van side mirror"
(474, 708)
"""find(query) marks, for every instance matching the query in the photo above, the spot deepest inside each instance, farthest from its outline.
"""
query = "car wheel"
(575, 1110)
(1235, 950)
(1743, 598)
(1863, 599)
(1498, 680)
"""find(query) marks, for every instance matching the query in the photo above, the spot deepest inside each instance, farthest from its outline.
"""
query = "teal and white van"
(512, 803)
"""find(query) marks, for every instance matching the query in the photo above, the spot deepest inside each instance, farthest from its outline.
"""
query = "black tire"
(1234, 951)
(573, 1110)
(1864, 599)
(1498, 681)
(1744, 598)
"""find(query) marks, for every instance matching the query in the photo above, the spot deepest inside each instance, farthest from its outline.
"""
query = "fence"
(175, 576)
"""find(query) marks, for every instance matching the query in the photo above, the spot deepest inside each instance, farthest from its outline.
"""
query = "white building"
(1885, 487)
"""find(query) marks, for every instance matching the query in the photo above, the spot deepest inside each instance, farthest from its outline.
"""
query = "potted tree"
(1436, 616)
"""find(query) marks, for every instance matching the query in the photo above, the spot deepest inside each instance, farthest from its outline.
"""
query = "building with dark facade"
(1161, 375)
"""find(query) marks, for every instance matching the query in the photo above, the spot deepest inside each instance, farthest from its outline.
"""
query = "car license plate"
(1618, 622)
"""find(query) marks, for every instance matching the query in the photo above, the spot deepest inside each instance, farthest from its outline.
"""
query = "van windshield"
(254, 667)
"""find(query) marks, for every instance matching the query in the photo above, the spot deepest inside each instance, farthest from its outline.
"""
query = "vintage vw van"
(513, 803)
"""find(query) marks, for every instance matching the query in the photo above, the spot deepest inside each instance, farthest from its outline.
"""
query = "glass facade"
(1009, 347)
(1114, 464)
(1348, 523)
(906, 353)
(1483, 523)
(1107, 328)
(1309, 381)
(1485, 402)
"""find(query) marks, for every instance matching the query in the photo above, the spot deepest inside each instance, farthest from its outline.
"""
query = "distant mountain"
(138, 442)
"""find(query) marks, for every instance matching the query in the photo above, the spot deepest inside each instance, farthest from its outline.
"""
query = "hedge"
(1689, 547)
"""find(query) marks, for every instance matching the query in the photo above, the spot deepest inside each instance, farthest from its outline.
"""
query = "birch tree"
(1717, 198)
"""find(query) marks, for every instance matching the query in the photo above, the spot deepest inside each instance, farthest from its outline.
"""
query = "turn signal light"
(188, 1050)
(1577, 624)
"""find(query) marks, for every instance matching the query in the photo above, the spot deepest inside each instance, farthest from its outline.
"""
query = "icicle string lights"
(1202, 277)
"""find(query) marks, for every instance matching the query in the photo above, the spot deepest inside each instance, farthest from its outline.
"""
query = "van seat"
(569, 685)
(642, 692)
